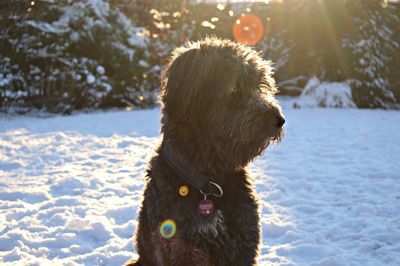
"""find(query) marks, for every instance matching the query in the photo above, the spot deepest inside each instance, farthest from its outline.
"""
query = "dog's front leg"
(183, 253)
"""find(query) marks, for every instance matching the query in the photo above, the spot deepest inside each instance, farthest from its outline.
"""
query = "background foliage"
(62, 55)
(66, 55)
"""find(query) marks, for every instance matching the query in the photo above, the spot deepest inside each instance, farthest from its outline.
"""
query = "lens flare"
(183, 191)
(248, 29)
(168, 228)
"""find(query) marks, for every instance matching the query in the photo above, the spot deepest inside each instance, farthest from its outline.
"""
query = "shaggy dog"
(218, 114)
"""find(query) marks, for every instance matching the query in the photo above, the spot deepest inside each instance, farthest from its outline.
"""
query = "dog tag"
(206, 207)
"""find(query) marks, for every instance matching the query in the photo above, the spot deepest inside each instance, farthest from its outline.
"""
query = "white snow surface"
(70, 188)
(325, 94)
(90, 79)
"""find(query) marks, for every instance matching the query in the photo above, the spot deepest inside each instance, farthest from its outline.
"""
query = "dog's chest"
(232, 221)
(212, 226)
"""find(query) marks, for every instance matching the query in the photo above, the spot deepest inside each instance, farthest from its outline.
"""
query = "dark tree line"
(66, 55)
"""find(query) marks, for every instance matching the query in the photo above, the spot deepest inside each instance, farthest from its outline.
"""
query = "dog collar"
(199, 181)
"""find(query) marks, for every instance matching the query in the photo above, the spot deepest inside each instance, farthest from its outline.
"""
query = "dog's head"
(221, 94)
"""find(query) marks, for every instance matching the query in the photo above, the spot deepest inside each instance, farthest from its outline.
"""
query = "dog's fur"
(218, 113)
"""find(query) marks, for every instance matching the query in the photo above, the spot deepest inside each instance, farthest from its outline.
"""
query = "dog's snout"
(280, 121)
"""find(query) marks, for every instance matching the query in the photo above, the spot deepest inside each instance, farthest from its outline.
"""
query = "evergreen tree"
(63, 55)
(373, 49)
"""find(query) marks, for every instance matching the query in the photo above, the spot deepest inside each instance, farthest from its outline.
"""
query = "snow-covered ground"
(70, 188)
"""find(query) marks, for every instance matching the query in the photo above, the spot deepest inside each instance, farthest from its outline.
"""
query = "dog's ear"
(192, 81)
(176, 82)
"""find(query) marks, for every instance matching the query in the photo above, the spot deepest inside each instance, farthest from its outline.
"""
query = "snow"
(70, 188)
(100, 70)
(325, 94)
(90, 79)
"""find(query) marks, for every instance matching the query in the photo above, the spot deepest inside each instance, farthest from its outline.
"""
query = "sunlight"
(332, 35)
(248, 29)
(222, 2)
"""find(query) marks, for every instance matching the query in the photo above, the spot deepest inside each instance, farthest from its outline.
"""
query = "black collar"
(197, 180)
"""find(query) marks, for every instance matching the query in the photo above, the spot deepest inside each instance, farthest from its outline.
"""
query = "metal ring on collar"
(221, 192)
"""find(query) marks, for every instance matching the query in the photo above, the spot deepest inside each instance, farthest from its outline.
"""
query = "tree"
(62, 55)
(373, 49)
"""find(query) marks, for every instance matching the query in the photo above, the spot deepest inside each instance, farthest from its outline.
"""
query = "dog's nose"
(281, 121)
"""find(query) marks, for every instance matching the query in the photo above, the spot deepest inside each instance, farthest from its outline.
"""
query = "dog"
(218, 113)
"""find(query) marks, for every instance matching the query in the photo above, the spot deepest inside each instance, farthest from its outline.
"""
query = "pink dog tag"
(206, 207)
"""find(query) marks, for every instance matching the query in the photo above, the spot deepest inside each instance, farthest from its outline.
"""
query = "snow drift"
(325, 94)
